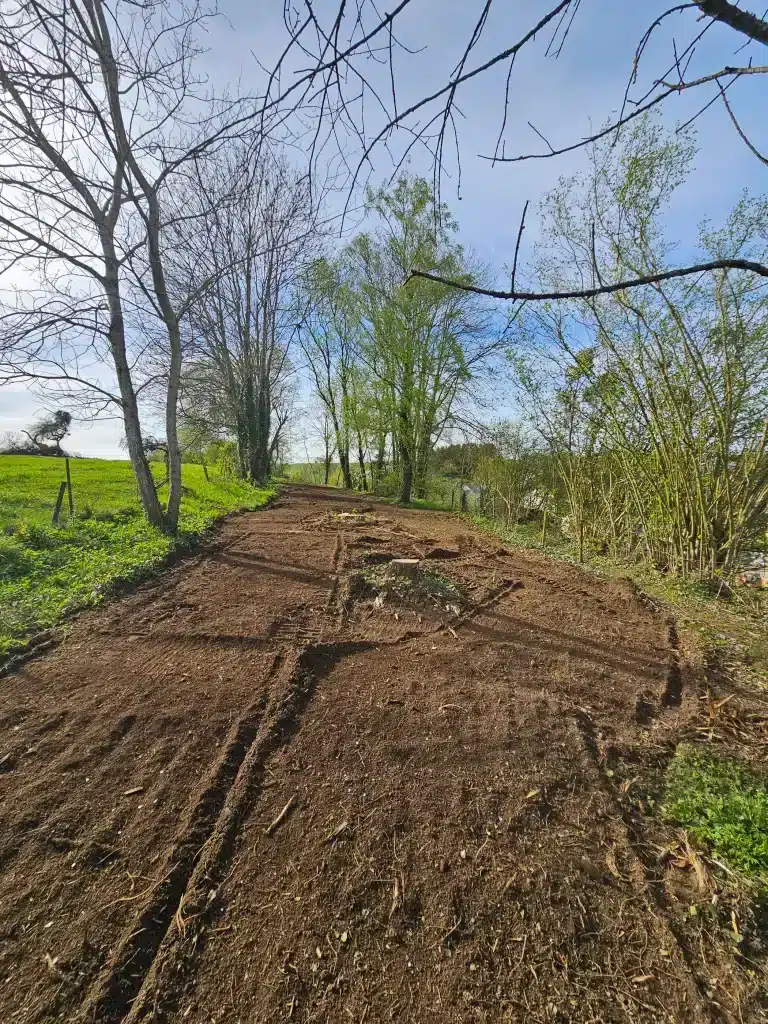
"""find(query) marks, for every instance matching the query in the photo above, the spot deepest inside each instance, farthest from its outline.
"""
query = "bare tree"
(101, 113)
(254, 232)
(89, 93)
(102, 116)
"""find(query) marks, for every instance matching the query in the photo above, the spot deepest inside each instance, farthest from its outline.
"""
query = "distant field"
(46, 571)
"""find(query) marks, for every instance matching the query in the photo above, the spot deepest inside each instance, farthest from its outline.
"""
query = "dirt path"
(461, 840)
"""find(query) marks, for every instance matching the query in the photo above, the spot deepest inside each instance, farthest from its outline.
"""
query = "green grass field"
(47, 571)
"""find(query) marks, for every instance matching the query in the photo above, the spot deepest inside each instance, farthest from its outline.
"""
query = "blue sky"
(566, 99)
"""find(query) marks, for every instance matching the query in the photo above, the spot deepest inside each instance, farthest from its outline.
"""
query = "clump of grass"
(427, 505)
(724, 805)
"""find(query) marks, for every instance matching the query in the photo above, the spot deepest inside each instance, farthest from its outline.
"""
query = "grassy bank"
(47, 571)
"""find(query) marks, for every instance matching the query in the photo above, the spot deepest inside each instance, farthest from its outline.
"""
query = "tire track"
(183, 942)
(110, 996)
(652, 888)
(497, 594)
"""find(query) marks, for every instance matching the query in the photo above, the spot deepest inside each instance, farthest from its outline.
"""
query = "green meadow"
(47, 571)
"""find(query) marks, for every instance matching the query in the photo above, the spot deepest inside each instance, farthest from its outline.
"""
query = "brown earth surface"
(270, 787)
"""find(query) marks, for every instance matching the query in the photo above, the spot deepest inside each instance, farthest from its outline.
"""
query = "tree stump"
(405, 568)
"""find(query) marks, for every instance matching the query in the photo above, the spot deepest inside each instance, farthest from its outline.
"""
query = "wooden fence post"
(57, 510)
(69, 489)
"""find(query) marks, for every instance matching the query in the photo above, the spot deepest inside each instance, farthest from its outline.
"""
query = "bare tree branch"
(739, 19)
(605, 289)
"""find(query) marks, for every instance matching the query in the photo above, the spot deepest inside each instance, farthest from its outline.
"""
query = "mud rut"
(461, 840)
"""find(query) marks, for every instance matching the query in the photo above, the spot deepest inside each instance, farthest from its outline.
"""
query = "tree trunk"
(144, 481)
(171, 428)
(141, 470)
(171, 321)
(242, 448)
(264, 454)
(361, 463)
(380, 456)
(250, 416)
(422, 460)
(406, 480)
(405, 444)
(345, 473)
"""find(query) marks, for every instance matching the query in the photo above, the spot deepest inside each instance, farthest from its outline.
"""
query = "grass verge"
(49, 571)
(724, 805)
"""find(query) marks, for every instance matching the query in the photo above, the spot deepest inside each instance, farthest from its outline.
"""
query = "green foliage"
(460, 460)
(388, 484)
(390, 355)
(652, 401)
(47, 571)
(223, 457)
(428, 504)
(54, 427)
(312, 473)
(424, 342)
(723, 804)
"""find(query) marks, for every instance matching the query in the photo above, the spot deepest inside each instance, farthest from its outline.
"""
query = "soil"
(271, 787)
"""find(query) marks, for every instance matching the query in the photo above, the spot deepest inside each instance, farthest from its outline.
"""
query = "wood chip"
(339, 830)
(610, 860)
(134, 791)
(53, 967)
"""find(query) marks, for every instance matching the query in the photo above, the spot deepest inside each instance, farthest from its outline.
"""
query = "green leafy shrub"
(723, 804)
(33, 535)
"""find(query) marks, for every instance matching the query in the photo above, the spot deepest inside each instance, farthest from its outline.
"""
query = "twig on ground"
(448, 934)
(283, 814)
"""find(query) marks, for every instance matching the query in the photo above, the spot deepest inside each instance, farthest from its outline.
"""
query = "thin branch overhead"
(604, 289)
